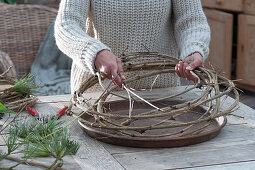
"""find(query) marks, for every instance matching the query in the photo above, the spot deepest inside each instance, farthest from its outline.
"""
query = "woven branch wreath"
(165, 116)
(17, 97)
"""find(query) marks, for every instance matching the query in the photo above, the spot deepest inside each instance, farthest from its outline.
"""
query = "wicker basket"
(49, 3)
(22, 29)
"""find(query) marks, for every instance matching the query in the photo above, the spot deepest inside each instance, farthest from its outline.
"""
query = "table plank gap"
(247, 165)
(231, 133)
(188, 157)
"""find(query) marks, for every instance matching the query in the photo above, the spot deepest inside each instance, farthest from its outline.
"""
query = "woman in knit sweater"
(94, 32)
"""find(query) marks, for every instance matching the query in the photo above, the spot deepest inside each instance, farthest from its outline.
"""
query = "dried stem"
(5, 72)
(13, 118)
(29, 162)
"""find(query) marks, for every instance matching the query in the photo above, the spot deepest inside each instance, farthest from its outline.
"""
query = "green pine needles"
(42, 127)
(40, 138)
(25, 86)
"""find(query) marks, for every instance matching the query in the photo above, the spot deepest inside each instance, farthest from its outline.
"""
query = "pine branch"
(25, 86)
(32, 132)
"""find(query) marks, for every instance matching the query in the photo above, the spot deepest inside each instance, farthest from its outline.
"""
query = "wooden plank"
(233, 5)
(249, 165)
(249, 7)
(92, 155)
(245, 56)
(230, 133)
(45, 109)
(69, 163)
(55, 98)
(188, 156)
(220, 57)
(245, 111)
(8, 163)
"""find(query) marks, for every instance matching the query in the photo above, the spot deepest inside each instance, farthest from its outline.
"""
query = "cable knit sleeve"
(192, 31)
(71, 37)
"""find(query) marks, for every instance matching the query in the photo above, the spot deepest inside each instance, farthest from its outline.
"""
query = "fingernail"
(188, 68)
(123, 77)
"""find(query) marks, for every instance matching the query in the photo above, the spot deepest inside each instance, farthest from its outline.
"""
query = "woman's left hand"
(190, 63)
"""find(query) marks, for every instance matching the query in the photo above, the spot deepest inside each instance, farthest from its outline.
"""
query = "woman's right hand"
(110, 65)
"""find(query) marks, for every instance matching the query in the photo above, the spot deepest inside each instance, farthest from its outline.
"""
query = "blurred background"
(232, 48)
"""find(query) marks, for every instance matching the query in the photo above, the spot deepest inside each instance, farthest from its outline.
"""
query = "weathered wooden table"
(233, 148)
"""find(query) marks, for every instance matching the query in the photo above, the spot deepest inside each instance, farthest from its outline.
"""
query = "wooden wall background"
(232, 46)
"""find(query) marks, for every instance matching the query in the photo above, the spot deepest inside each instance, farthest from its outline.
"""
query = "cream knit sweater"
(173, 27)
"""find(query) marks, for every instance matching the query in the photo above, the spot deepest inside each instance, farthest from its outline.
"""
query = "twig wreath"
(165, 117)
(18, 96)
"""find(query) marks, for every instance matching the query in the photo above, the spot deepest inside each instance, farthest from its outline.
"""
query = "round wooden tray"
(122, 107)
